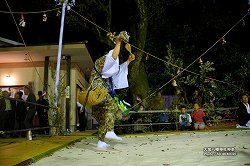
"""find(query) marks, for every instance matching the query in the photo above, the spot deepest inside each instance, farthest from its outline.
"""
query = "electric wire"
(182, 69)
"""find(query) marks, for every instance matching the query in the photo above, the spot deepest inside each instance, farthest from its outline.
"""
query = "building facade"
(36, 66)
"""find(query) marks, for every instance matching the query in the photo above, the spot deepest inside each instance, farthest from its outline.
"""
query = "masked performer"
(108, 74)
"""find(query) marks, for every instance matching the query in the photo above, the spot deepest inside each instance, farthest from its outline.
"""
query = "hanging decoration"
(174, 83)
(59, 2)
(58, 13)
(22, 23)
(223, 41)
(44, 17)
(243, 22)
(200, 61)
(178, 71)
(70, 4)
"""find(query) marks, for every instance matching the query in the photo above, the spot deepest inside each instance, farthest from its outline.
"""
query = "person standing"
(243, 112)
(178, 99)
(108, 71)
(30, 109)
(2, 109)
(19, 113)
(8, 114)
(42, 111)
(197, 97)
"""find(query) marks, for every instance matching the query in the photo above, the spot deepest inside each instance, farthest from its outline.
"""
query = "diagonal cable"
(28, 54)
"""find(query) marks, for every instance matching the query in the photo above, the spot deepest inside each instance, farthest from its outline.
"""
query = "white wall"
(21, 76)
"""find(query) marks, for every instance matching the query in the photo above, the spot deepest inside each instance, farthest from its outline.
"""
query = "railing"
(230, 116)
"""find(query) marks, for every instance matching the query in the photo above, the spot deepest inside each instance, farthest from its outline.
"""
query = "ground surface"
(161, 149)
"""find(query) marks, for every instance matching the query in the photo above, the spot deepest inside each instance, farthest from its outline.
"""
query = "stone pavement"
(159, 149)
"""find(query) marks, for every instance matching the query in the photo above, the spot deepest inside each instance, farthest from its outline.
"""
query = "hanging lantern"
(200, 61)
(68, 7)
(22, 23)
(243, 22)
(44, 17)
(178, 71)
(174, 83)
(223, 41)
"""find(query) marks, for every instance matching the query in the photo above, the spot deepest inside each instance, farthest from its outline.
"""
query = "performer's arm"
(111, 64)
(117, 48)
(131, 58)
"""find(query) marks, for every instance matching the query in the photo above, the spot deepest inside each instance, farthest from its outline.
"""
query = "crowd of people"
(18, 114)
(198, 119)
(108, 73)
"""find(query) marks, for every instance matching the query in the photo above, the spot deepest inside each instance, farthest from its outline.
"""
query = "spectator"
(141, 103)
(7, 114)
(30, 109)
(82, 117)
(198, 117)
(196, 97)
(2, 109)
(177, 99)
(185, 119)
(19, 113)
(42, 111)
(243, 112)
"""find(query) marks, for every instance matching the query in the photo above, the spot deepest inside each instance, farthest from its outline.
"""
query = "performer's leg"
(105, 120)
(103, 125)
(113, 114)
(110, 127)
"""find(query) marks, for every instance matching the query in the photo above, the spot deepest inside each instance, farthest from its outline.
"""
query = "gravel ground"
(190, 148)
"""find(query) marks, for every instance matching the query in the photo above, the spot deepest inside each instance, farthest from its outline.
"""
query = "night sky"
(191, 26)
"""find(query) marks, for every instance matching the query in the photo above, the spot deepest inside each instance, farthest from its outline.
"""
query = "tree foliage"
(190, 26)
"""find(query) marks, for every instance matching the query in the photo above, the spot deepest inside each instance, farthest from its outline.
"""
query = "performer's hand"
(131, 58)
(117, 40)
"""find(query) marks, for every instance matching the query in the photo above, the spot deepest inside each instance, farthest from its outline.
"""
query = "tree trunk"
(138, 78)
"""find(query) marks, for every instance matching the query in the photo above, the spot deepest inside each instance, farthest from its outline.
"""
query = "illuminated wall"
(11, 77)
(22, 75)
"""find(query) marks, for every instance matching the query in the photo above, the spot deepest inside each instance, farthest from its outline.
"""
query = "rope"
(190, 63)
(183, 69)
(32, 12)
(26, 102)
(22, 130)
(28, 54)
(89, 21)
